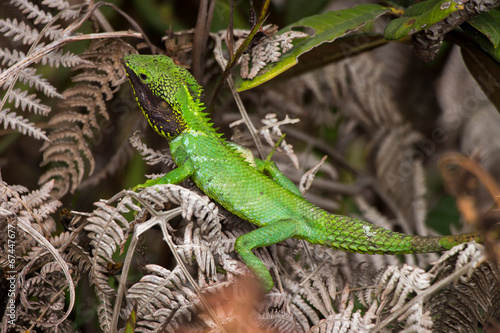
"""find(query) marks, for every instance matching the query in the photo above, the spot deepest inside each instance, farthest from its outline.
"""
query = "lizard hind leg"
(269, 168)
(269, 234)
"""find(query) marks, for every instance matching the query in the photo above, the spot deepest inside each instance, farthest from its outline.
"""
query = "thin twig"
(139, 229)
(57, 256)
(68, 37)
(234, 58)
(161, 218)
(241, 107)
(43, 51)
(203, 23)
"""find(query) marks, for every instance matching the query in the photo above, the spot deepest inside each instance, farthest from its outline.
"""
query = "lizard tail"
(352, 235)
(447, 242)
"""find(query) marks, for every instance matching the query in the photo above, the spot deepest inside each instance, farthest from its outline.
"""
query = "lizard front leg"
(175, 176)
(267, 235)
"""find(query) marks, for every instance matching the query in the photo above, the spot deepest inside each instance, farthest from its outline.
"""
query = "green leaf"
(327, 53)
(131, 322)
(489, 25)
(421, 16)
(327, 27)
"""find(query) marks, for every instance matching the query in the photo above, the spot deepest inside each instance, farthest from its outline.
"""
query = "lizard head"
(166, 93)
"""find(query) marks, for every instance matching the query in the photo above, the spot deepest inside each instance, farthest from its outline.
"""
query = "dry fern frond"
(346, 320)
(68, 148)
(20, 124)
(160, 297)
(44, 292)
(18, 31)
(70, 145)
(26, 216)
(58, 4)
(360, 93)
(193, 246)
(29, 77)
(365, 99)
(149, 155)
(310, 282)
(176, 309)
(24, 101)
(192, 204)
(457, 294)
(109, 229)
(267, 51)
(32, 11)
(73, 253)
(272, 127)
(470, 302)
(395, 284)
(27, 33)
(34, 208)
(401, 179)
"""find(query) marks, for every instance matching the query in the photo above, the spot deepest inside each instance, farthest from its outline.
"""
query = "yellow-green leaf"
(488, 24)
(421, 16)
(327, 27)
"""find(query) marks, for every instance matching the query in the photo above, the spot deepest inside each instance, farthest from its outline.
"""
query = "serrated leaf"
(20, 124)
(327, 27)
(421, 16)
(18, 31)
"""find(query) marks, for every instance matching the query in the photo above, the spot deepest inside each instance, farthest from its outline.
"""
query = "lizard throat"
(165, 119)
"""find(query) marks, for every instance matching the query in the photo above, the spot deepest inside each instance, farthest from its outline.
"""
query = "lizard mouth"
(131, 75)
(160, 115)
(142, 91)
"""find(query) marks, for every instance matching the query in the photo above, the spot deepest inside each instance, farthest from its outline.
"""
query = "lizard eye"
(143, 77)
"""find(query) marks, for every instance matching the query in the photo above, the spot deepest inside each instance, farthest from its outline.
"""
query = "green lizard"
(248, 187)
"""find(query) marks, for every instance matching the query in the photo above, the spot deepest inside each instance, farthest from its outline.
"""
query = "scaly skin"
(250, 188)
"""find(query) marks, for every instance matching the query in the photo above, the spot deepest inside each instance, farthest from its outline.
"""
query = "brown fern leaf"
(41, 293)
(472, 301)
(70, 146)
(37, 28)
(40, 283)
